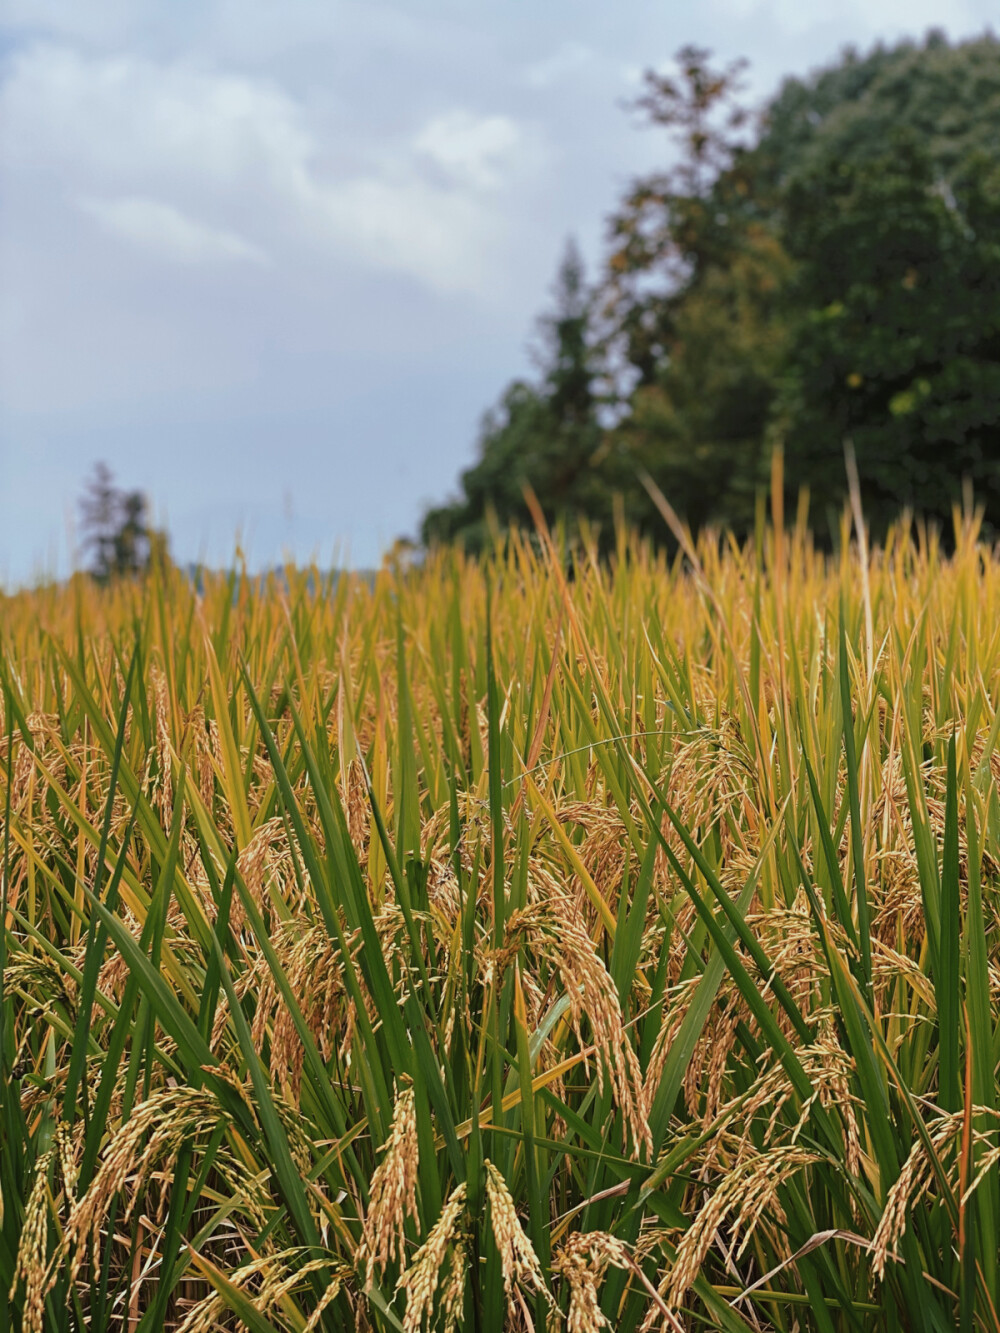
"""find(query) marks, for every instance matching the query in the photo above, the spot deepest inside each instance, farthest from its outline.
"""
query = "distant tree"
(694, 302)
(827, 269)
(543, 435)
(893, 217)
(669, 229)
(683, 335)
(116, 530)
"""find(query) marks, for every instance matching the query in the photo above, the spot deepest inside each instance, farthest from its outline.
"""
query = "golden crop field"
(506, 944)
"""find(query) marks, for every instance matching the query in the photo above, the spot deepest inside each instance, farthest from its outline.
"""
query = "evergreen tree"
(542, 435)
(894, 218)
(116, 530)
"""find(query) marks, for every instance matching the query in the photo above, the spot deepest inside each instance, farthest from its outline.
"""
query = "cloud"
(553, 69)
(124, 134)
(167, 233)
(445, 240)
(426, 206)
(470, 150)
(862, 20)
(126, 117)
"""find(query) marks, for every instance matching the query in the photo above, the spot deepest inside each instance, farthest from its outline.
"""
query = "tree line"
(825, 271)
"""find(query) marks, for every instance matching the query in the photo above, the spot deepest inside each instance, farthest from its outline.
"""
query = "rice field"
(525, 943)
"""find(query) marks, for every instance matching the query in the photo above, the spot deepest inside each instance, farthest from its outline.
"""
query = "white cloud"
(445, 240)
(109, 22)
(125, 133)
(553, 69)
(863, 20)
(427, 206)
(470, 150)
(125, 116)
(167, 233)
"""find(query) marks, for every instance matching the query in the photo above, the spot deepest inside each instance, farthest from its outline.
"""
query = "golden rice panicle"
(517, 1254)
(313, 967)
(393, 1195)
(912, 1182)
(581, 1261)
(272, 1277)
(919, 1174)
(554, 930)
(146, 1150)
(164, 791)
(33, 1265)
(676, 1006)
(254, 863)
(744, 1194)
(420, 1281)
(335, 1286)
(266, 1272)
(593, 996)
(206, 753)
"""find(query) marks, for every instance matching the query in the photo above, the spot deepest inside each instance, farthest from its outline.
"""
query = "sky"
(272, 261)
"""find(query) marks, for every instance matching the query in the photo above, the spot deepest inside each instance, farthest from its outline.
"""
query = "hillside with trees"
(828, 270)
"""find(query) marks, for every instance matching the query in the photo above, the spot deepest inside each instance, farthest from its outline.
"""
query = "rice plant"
(532, 942)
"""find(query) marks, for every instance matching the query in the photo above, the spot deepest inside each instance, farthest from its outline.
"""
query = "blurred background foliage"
(826, 270)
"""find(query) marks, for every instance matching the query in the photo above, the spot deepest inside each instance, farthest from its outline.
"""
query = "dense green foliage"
(830, 273)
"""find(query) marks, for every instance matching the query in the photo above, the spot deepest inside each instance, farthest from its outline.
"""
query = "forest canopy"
(823, 272)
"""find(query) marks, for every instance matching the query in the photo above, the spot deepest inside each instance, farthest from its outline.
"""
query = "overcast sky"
(271, 259)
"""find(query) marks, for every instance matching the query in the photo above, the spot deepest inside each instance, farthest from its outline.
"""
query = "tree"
(828, 269)
(694, 295)
(544, 435)
(855, 225)
(668, 230)
(894, 217)
(898, 344)
(116, 530)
